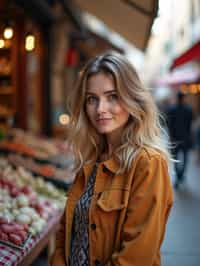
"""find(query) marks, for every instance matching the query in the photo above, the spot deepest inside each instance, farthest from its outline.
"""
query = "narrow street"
(181, 246)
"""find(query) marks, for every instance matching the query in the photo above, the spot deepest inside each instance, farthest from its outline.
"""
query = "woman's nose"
(101, 107)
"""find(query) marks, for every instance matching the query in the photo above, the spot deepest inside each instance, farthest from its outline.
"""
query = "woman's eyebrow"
(109, 91)
(105, 92)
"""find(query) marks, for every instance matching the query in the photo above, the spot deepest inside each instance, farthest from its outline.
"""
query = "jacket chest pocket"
(113, 199)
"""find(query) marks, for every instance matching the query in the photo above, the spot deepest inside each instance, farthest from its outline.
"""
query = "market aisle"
(181, 246)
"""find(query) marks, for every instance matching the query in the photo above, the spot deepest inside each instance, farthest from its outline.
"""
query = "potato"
(22, 200)
(3, 236)
(15, 212)
(23, 219)
(16, 239)
(22, 234)
(7, 228)
(38, 225)
(32, 230)
(17, 227)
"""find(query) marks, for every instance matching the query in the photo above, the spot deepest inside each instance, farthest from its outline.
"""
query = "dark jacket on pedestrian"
(179, 120)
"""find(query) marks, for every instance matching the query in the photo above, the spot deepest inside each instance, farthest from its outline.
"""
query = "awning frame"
(131, 19)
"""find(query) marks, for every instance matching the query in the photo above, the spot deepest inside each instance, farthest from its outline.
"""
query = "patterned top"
(80, 243)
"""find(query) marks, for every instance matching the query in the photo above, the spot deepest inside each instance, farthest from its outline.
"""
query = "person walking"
(118, 205)
(179, 120)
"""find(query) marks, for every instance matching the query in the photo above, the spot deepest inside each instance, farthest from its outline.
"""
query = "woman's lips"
(103, 120)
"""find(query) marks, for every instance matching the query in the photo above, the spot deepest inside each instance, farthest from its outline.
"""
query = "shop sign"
(72, 57)
(191, 88)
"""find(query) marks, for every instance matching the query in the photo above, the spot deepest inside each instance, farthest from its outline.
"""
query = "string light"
(2, 43)
(29, 42)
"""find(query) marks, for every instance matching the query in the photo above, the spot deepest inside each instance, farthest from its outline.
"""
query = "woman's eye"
(91, 100)
(113, 97)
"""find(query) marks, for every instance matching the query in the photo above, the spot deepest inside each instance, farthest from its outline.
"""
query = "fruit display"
(26, 201)
(30, 164)
(28, 183)
(13, 232)
(45, 170)
(32, 146)
(17, 147)
(43, 148)
(51, 159)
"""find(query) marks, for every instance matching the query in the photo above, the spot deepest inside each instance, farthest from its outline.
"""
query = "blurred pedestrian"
(118, 206)
(196, 133)
(179, 120)
(198, 144)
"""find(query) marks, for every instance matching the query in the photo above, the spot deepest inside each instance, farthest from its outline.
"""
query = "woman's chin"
(103, 131)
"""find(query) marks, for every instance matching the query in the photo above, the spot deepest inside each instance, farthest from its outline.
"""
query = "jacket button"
(97, 262)
(93, 226)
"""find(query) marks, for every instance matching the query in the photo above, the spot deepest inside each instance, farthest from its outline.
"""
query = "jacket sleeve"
(147, 212)
(58, 258)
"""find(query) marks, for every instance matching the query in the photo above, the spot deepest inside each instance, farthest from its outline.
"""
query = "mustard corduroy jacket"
(127, 216)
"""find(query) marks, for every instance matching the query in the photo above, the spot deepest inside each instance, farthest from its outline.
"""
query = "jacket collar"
(110, 164)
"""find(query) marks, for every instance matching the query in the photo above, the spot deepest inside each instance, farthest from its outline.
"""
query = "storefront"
(34, 171)
(190, 59)
(24, 69)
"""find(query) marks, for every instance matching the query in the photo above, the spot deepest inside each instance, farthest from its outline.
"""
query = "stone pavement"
(181, 246)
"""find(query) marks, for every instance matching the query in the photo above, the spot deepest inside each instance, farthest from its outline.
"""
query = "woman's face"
(103, 106)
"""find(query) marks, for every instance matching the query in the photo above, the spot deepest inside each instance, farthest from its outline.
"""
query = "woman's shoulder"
(146, 154)
(147, 162)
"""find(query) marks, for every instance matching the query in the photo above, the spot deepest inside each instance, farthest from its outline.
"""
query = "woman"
(118, 206)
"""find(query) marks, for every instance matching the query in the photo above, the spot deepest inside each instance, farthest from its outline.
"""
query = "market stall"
(11, 256)
(33, 185)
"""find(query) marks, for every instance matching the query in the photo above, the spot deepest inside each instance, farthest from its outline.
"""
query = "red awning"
(191, 54)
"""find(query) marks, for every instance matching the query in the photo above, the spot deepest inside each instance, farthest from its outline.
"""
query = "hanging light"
(64, 119)
(29, 42)
(2, 43)
(8, 31)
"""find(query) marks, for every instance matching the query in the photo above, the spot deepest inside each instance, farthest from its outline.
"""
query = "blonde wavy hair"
(143, 129)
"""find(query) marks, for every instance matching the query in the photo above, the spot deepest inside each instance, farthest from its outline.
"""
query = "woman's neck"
(109, 150)
(113, 140)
